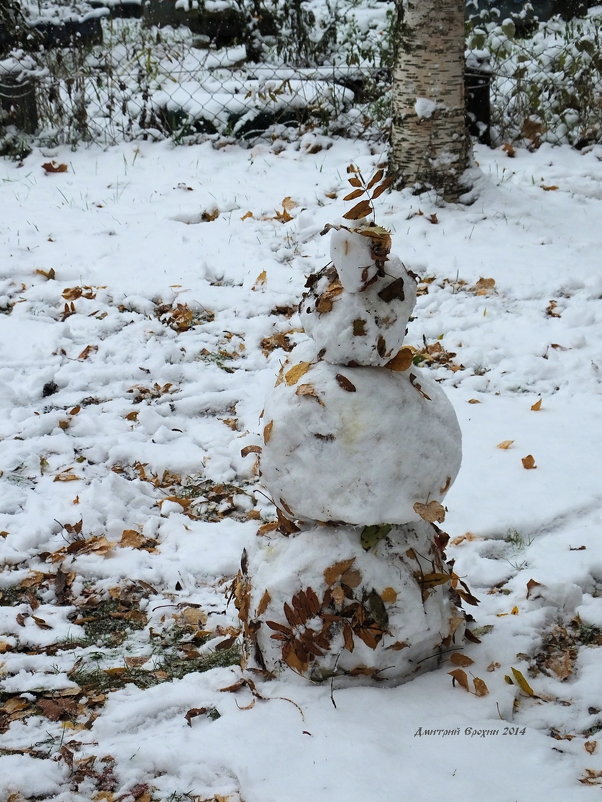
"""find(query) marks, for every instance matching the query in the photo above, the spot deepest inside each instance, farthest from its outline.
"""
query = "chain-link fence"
(247, 68)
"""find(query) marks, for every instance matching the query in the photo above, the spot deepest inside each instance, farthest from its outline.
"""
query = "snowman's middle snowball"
(360, 445)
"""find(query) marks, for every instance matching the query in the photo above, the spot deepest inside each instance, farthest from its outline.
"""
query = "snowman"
(359, 450)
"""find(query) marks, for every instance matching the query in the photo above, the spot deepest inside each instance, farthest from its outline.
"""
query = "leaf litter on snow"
(133, 382)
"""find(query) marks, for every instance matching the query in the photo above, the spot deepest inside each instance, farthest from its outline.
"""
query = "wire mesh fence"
(239, 69)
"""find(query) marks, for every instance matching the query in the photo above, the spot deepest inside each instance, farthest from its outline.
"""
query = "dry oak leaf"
(432, 512)
(483, 286)
(529, 462)
(590, 746)
(505, 444)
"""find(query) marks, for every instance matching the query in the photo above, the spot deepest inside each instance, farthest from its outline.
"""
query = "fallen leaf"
(480, 688)
(209, 215)
(518, 678)
(309, 391)
(89, 349)
(509, 150)
(244, 452)
(263, 603)
(389, 596)
(260, 281)
(461, 660)
(590, 746)
(473, 401)
(431, 512)
(193, 713)
(532, 583)
(401, 361)
(536, 406)
(246, 215)
(293, 375)
(505, 444)
(529, 462)
(549, 188)
(53, 167)
(267, 431)
(334, 571)
(344, 382)
(461, 677)
(493, 666)
(48, 274)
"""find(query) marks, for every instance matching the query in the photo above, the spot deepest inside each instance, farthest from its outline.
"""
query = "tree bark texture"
(430, 146)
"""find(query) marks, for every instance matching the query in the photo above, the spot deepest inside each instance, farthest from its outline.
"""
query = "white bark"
(429, 141)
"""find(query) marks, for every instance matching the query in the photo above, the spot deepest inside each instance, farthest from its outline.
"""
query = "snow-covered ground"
(146, 295)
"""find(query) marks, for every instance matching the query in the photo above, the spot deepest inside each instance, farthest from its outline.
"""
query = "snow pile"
(139, 334)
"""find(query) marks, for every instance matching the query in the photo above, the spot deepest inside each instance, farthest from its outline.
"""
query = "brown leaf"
(561, 664)
(359, 328)
(550, 188)
(432, 218)
(536, 406)
(132, 538)
(480, 688)
(209, 215)
(505, 444)
(532, 583)
(461, 660)
(401, 361)
(509, 150)
(382, 187)
(55, 709)
(344, 382)
(246, 215)
(484, 286)
(432, 512)
(394, 290)
(244, 452)
(590, 746)
(551, 309)
(334, 571)
(375, 178)
(267, 431)
(418, 386)
(529, 462)
(359, 211)
(357, 193)
(398, 646)
(461, 677)
(263, 603)
(48, 274)
(473, 401)
(53, 167)
(352, 578)
(293, 375)
(41, 623)
(309, 391)
(194, 712)
(285, 525)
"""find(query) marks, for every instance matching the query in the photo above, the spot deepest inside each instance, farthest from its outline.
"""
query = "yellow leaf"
(246, 215)
(293, 375)
(537, 405)
(389, 595)
(460, 676)
(260, 280)
(551, 188)
(505, 444)
(473, 401)
(519, 679)
(267, 431)
(529, 462)
(402, 360)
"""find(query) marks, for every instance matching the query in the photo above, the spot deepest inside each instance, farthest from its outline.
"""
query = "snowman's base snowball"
(319, 605)
(360, 445)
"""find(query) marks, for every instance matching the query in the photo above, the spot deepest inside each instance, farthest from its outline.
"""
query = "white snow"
(111, 223)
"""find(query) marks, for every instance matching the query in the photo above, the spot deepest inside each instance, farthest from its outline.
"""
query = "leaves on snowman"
(344, 382)
(309, 391)
(432, 511)
(372, 189)
(371, 535)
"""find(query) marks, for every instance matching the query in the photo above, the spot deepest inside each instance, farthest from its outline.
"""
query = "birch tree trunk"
(430, 146)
